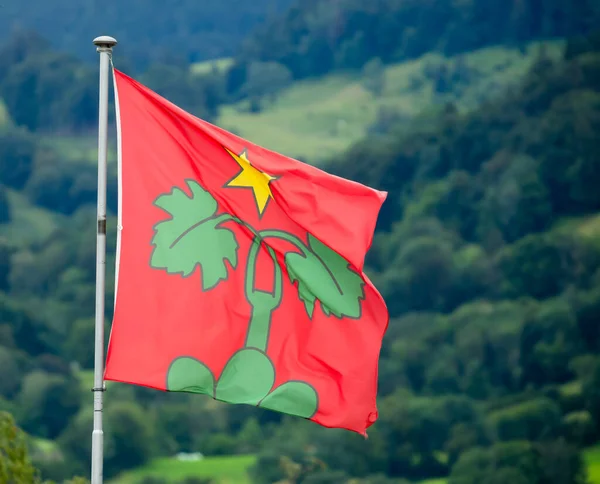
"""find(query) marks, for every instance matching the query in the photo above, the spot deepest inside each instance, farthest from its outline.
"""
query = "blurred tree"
(422, 273)
(506, 463)
(17, 148)
(550, 339)
(5, 208)
(47, 402)
(130, 440)
(538, 266)
(561, 463)
(579, 428)
(11, 371)
(20, 45)
(265, 79)
(15, 465)
(79, 345)
(250, 437)
(180, 86)
(26, 330)
(6, 252)
(532, 420)
(587, 307)
(374, 76)
(75, 441)
(591, 394)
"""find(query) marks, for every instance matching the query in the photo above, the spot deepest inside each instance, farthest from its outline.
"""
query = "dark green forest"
(149, 30)
(317, 36)
(487, 253)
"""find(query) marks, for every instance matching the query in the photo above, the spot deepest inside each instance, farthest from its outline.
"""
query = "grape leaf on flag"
(192, 237)
(322, 274)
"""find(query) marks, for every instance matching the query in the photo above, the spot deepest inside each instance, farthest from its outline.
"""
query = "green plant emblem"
(194, 237)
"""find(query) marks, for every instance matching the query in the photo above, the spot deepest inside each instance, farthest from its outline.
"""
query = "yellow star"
(251, 177)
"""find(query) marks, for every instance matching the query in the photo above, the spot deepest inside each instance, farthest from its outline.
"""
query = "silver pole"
(104, 47)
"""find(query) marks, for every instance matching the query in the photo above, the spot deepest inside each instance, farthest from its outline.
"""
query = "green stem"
(264, 234)
(263, 303)
(224, 217)
(258, 329)
(292, 239)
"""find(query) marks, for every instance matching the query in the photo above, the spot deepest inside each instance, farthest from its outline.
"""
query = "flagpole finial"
(104, 41)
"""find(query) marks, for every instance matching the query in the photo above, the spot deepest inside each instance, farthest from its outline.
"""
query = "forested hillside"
(487, 253)
(49, 91)
(148, 30)
(317, 36)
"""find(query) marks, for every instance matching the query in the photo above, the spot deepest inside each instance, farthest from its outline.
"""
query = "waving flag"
(240, 271)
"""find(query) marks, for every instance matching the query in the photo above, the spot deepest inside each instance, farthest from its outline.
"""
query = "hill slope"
(317, 118)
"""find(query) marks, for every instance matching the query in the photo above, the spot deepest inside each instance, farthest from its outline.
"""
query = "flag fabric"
(240, 271)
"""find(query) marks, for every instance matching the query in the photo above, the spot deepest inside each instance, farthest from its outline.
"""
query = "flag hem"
(119, 192)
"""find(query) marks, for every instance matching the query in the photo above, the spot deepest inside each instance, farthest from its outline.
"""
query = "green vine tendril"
(263, 303)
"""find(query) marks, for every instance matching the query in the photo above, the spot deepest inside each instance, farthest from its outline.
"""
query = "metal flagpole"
(104, 46)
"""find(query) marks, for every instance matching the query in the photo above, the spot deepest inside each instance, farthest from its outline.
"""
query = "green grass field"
(206, 67)
(225, 470)
(233, 469)
(592, 461)
(4, 117)
(316, 119)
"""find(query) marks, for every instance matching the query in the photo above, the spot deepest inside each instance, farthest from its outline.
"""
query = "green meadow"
(592, 461)
(232, 469)
(225, 470)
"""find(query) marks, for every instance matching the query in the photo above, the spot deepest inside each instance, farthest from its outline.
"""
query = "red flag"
(239, 270)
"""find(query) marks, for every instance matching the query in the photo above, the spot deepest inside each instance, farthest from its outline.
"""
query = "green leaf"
(294, 398)
(190, 375)
(325, 275)
(247, 378)
(192, 237)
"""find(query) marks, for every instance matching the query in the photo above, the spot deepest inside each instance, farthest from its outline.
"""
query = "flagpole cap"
(105, 41)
